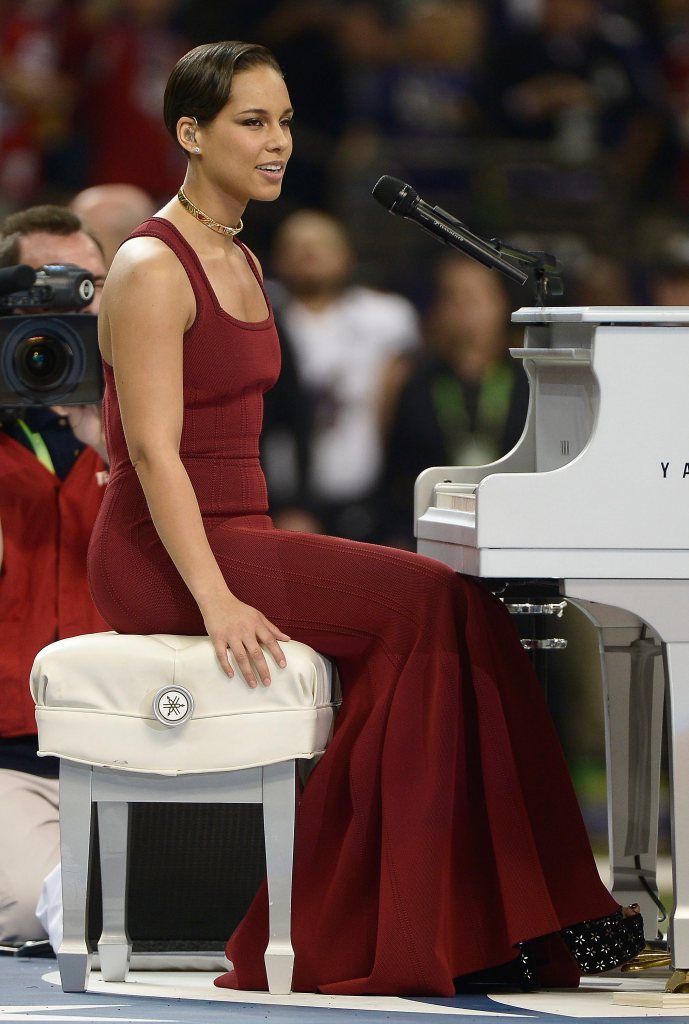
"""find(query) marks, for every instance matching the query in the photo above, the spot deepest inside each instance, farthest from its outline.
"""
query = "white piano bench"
(154, 718)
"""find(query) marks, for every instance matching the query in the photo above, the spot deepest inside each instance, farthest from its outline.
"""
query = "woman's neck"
(212, 202)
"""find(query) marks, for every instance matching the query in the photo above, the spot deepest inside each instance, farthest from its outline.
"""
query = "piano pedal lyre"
(535, 607)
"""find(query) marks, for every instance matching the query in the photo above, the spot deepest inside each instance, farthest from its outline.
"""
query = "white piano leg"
(663, 605)
(677, 670)
(633, 683)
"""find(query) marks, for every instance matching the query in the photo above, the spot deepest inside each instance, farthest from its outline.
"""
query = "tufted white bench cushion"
(94, 704)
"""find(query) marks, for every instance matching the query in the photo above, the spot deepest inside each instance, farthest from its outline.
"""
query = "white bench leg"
(114, 945)
(74, 959)
(279, 795)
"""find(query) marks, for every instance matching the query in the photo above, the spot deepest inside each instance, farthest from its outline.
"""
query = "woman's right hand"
(238, 628)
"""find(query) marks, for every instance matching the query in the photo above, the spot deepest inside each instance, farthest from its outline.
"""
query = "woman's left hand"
(236, 627)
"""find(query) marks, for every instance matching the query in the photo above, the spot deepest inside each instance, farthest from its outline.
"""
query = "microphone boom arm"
(455, 234)
(546, 267)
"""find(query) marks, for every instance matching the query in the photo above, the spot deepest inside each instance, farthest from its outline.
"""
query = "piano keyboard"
(460, 497)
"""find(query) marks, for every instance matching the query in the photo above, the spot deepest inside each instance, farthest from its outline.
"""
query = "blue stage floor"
(30, 991)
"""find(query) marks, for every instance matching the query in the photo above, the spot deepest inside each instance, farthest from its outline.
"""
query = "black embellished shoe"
(606, 942)
(519, 975)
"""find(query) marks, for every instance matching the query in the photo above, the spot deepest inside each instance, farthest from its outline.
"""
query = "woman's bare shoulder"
(145, 267)
(147, 279)
(143, 254)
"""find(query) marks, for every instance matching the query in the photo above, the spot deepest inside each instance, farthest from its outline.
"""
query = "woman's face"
(245, 148)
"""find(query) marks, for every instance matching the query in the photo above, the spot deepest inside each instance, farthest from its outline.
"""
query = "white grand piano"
(596, 496)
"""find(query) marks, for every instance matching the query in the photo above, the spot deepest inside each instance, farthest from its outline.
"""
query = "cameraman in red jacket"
(51, 484)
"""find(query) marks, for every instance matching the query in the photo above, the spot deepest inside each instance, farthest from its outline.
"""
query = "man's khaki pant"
(29, 849)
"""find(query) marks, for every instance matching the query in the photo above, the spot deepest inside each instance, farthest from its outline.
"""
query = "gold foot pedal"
(646, 960)
(679, 982)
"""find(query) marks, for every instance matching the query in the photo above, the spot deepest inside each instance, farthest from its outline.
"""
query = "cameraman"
(51, 473)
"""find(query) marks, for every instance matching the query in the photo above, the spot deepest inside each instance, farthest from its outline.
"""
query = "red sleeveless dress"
(440, 829)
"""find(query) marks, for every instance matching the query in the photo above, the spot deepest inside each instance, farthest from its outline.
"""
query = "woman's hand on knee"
(243, 631)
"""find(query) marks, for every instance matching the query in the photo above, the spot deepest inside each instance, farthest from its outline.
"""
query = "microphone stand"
(546, 268)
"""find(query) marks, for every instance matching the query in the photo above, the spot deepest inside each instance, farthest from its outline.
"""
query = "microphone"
(401, 199)
(16, 279)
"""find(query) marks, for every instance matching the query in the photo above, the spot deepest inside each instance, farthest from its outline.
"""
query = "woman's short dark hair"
(200, 83)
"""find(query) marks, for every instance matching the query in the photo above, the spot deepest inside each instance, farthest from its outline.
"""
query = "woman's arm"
(147, 305)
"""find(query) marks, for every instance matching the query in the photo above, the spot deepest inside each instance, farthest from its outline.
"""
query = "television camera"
(48, 357)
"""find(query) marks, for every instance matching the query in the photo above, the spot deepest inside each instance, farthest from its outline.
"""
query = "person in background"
(124, 77)
(42, 47)
(50, 492)
(668, 276)
(111, 212)
(574, 80)
(600, 279)
(464, 399)
(342, 336)
(423, 104)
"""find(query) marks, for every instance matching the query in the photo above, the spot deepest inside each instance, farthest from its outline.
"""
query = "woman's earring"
(197, 149)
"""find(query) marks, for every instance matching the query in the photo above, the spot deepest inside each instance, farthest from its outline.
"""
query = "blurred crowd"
(552, 124)
(425, 87)
(586, 99)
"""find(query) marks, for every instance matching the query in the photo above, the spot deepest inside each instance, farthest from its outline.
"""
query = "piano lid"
(678, 315)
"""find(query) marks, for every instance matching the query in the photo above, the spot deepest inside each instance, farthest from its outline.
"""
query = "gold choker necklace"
(222, 229)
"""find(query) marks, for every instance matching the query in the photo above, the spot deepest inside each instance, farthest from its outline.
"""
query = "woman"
(439, 831)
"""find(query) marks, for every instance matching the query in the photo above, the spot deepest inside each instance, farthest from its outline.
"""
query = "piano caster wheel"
(679, 982)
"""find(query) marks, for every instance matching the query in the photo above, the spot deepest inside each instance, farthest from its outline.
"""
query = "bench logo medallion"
(173, 705)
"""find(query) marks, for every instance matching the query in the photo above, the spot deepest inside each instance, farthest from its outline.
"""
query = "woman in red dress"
(439, 836)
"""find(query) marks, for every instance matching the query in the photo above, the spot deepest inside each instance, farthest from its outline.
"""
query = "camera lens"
(43, 359)
(42, 362)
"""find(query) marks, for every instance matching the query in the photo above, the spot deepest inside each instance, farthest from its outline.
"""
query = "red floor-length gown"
(440, 828)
